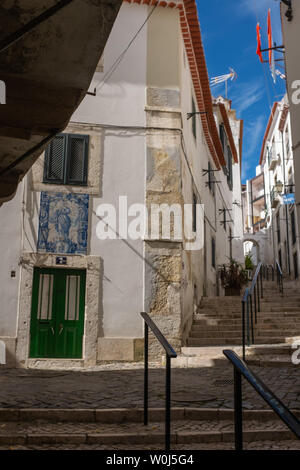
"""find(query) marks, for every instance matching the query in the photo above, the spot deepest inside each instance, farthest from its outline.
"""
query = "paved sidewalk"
(121, 386)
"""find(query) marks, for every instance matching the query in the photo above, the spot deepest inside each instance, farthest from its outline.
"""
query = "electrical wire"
(117, 62)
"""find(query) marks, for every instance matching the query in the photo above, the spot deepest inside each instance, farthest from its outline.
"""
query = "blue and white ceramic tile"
(63, 223)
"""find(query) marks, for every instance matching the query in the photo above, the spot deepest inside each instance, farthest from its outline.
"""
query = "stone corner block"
(120, 349)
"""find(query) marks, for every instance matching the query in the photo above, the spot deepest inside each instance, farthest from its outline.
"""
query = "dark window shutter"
(55, 160)
(66, 160)
(77, 159)
(194, 122)
(213, 252)
(222, 135)
(194, 213)
(229, 168)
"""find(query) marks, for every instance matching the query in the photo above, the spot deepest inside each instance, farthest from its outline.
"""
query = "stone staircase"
(218, 324)
(123, 429)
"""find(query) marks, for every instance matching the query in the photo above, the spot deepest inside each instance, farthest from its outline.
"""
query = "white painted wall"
(10, 242)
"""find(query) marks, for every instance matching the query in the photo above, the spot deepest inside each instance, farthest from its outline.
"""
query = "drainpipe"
(286, 208)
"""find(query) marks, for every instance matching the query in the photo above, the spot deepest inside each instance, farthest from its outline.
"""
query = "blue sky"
(229, 35)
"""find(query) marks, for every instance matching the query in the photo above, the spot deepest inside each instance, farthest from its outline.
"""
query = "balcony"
(273, 160)
(275, 195)
(258, 224)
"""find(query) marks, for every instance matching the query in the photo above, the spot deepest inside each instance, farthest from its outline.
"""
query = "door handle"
(52, 330)
(60, 328)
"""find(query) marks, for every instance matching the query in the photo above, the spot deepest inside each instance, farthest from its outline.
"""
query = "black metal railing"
(241, 369)
(252, 301)
(279, 276)
(170, 353)
(268, 271)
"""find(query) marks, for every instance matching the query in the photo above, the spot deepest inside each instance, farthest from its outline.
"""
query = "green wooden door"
(57, 314)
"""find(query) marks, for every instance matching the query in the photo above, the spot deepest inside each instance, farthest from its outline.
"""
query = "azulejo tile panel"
(63, 223)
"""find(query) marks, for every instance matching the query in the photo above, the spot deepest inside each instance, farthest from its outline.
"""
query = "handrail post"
(248, 323)
(168, 403)
(255, 304)
(243, 330)
(258, 297)
(146, 374)
(238, 410)
(251, 310)
(261, 285)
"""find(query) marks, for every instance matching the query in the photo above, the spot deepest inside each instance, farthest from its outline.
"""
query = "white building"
(271, 192)
(71, 298)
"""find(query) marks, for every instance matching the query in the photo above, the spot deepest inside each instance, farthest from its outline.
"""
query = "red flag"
(270, 39)
(258, 50)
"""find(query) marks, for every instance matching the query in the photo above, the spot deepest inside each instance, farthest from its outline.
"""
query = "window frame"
(66, 180)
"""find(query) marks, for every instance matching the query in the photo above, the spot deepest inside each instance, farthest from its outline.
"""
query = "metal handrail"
(256, 289)
(170, 353)
(279, 276)
(241, 369)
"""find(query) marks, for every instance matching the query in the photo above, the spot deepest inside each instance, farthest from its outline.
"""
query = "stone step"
(267, 355)
(237, 334)
(282, 349)
(191, 426)
(220, 341)
(236, 326)
(271, 361)
(215, 334)
(275, 350)
(261, 315)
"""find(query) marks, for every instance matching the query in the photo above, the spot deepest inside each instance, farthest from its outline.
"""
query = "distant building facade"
(276, 229)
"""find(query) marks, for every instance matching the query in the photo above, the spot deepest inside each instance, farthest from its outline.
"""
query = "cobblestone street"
(121, 386)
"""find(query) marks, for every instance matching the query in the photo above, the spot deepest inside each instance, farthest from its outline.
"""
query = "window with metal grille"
(66, 160)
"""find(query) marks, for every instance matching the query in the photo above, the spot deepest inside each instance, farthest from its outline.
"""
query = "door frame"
(93, 314)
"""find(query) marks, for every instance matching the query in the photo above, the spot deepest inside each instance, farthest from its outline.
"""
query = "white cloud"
(254, 131)
(246, 95)
(252, 142)
(256, 7)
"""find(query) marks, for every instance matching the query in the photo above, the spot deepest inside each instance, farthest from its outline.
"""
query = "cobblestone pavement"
(115, 386)
(121, 386)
